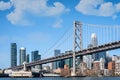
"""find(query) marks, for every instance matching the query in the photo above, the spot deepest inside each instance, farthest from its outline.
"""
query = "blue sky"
(38, 24)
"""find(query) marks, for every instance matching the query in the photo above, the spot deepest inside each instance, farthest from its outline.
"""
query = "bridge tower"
(77, 42)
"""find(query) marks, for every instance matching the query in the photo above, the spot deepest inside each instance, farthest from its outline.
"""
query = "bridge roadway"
(105, 47)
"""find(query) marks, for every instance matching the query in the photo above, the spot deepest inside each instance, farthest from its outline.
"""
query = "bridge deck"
(105, 47)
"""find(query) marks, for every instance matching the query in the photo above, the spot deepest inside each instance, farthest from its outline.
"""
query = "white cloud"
(98, 8)
(15, 17)
(58, 9)
(118, 7)
(4, 5)
(107, 9)
(58, 23)
(88, 6)
(36, 7)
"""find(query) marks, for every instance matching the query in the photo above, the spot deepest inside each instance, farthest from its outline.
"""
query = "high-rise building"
(102, 64)
(111, 65)
(88, 60)
(99, 65)
(114, 58)
(27, 58)
(94, 42)
(22, 55)
(57, 52)
(36, 56)
(96, 65)
(13, 54)
(117, 67)
(58, 64)
(69, 61)
(99, 55)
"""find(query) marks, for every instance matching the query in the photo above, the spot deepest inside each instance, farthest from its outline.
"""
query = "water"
(63, 78)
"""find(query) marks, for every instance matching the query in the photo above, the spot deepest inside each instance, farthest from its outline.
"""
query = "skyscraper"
(22, 55)
(36, 56)
(13, 54)
(69, 61)
(56, 52)
(27, 58)
(94, 40)
(88, 60)
(58, 64)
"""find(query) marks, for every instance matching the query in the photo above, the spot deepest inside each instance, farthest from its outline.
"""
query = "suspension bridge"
(78, 38)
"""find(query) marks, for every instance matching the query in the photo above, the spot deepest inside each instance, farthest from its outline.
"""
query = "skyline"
(35, 27)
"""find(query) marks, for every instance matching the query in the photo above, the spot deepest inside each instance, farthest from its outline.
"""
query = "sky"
(38, 24)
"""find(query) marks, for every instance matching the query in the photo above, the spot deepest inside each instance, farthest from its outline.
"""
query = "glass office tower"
(22, 55)
(13, 54)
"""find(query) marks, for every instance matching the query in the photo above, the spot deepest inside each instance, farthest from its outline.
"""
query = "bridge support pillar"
(73, 73)
(77, 43)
